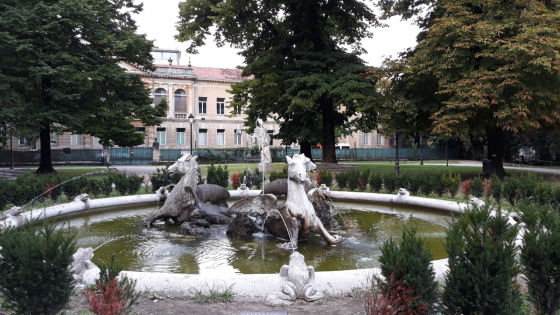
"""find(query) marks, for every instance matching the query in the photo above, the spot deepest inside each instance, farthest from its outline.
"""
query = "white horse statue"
(298, 211)
(181, 201)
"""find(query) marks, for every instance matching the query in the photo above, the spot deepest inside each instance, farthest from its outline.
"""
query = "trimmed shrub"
(236, 180)
(510, 189)
(390, 182)
(341, 180)
(217, 175)
(252, 178)
(353, 179)
(540, 255)
(543, 194)
(408, 262)
(482, 265)
(414, 184)
(323, 177)
(476, 187)
(496, 188)
(426, 185)
(375, 182)
(451, 183)
(36, 278)
(283, 174)
(437, 186)
(162, 177)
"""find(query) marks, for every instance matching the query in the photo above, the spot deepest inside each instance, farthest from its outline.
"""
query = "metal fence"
(144, 155)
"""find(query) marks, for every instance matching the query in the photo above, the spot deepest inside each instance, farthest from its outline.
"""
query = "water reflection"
(162, 249)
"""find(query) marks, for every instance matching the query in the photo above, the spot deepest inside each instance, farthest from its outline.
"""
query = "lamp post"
(191, 121)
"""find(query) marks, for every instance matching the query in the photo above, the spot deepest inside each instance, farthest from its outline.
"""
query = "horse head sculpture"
(188, 167)
(298, 167)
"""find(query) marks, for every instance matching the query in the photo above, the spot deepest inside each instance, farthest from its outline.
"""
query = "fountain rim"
(245, 286)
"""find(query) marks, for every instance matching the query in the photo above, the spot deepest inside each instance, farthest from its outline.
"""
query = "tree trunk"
(45, 166)
(397, 166)
(496, 150)
(305, 148)
(329, 141)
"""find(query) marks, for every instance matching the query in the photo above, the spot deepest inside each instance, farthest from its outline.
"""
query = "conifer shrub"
(540, 256)
(342, 180)
(162, 177)
(397, 300)
(217, 175)
(451, 183)
(353, 179)
(390, 182)
(476, 187)
(375, 182)
(126, 185)
(465, 187)
(35, 277)
(437, 186)
(414, 184)
(363, 180)
(543, 194)
(510, 188)
(487, 188)
(283, 174)
(482, 265)
(323, 177)
(426, 185)
(496, 188)
(407, 263)
(252, 178)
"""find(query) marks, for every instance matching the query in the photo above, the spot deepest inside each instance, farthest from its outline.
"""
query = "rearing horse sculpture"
(298, 211)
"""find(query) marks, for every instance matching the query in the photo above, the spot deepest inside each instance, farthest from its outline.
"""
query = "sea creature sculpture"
(85, 272)
(298, 211)
(297, 283)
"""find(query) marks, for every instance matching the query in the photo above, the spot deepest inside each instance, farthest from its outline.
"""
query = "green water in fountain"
(162, 249)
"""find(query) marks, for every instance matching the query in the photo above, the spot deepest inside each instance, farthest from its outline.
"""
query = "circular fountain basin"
(163, 249)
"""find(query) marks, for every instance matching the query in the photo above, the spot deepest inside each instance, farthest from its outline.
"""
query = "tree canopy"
(60, 63)
(496, 64)
(302, 57)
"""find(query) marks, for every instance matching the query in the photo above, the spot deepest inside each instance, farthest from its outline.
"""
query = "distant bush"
(283, 174)
(451, 183)
(363, 180)
(36, 278)
(342, 180)
(375, 182)
(126, 184)
(353, 178)
(408, 263)
(466, 187)
(235, 180)
(543, 194)
(476, 187)
(414, 184)
(217, 175)
(482, 265)
(391, 183)
(510, 189)
(252, 178)
(496, 188)
(162, 177)
(324, 177)
(539, 256)
(426, 184)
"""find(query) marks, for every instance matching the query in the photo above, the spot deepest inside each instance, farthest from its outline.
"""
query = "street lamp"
(191, 120)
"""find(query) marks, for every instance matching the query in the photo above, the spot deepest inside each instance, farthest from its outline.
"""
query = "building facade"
(203, 93)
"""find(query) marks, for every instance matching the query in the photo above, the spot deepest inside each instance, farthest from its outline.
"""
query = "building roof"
(207, 73)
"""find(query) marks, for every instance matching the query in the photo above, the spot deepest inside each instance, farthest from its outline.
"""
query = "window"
(202, 105)
(140, 129)
(236, 109)
(75, 139)
(23, 141)
(379, 139)
(237, 137)
(180, 101)
(365, 138)
(95, 141)
(54, 139)
(220, 106)
(161, 135)
(181, 136)
(160, 95)
(220, 139)
(202, 137)
(270, 134)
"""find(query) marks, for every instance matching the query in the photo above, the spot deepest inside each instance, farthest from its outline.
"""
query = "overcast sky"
(159, 17)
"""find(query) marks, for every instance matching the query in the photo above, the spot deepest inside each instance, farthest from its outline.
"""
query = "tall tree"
(61, 58)
(302, 56)
(496, 64)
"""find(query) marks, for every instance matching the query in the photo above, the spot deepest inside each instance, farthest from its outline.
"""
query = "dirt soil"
(174, 305)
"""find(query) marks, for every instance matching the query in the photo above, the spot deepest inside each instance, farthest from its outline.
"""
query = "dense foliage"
(161, 178)
(34, 264)
(302, 57)
(218, 175)
(59, 64)
(482, 264)
(407, 262)
(540, 256)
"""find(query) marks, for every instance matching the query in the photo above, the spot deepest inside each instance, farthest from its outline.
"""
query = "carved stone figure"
(263, 139)
(83, 270)
(298, 211)
(297, 283)
(181, 201)
(279, 187)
